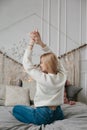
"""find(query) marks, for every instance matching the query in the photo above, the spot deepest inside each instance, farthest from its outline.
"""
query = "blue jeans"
(38, 116)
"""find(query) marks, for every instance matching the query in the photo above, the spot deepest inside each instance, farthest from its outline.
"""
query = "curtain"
(71, 62)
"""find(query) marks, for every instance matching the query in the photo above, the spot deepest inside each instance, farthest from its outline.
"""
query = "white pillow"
(2, 92)
(2, 102)
(17, 96)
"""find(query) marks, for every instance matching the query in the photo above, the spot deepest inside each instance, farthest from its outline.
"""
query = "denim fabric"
(38, 116)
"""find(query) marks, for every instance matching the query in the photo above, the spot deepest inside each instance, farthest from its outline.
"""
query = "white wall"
(62, 24)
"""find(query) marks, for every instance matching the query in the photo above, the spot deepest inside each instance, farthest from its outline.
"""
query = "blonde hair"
(51, 61)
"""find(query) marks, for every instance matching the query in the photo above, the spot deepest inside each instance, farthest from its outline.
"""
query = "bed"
(75, 114)
(75, 119)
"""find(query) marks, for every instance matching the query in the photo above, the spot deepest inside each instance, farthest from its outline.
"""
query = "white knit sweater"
(50, 87)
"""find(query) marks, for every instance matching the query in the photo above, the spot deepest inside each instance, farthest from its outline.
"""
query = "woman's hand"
(35, 36)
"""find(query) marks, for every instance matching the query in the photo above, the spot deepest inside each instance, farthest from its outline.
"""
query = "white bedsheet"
(75, 119)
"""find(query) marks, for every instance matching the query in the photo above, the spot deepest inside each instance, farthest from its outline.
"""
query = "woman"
(50, 79)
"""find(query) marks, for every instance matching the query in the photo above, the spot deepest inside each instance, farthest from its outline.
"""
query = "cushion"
(16, 96)
(2, 92)
(2, 102)
(72, 92)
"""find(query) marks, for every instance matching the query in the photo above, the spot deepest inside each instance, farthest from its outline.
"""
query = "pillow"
(2, 94)
(72, 92)
(16, 96)
(2, 102)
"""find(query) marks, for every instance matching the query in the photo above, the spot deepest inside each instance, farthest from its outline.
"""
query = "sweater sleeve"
(27, 60)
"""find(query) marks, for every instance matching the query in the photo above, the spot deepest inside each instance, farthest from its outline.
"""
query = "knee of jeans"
(15, 109)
